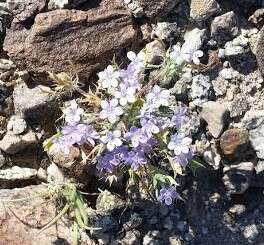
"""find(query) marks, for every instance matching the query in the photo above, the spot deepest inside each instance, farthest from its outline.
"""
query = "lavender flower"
(179, 118)
(183, 159)
(80, 133)
(147, 147)
(73, 113)
(109, 77)
(168, 195)
(137, 136)
(158, 97)
(135, 159)
(176, 54)
(112, 140)
(60, 144)
(179, 144)
(112, 159)
(149, 125)
(125, 94)
(111, 111)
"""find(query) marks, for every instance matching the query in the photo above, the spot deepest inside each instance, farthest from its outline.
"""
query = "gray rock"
(215, 115)
(224, 27)
(203, 9)
(165, 30)
(238, 46)
(256, 137)
(151, 239)
(12, 143)
(17, 125)
(156, 8)
(238, 178)
(55, 175)
(155, 51)
(2, 160)
(200, 89)
(37, 104)
(260, 50)
(251, 232)
(107, 202)
(238, 106)
(17, 173)
(131, 238)
(193, 40)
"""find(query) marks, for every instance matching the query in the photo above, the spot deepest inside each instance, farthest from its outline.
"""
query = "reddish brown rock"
(234, 142)
(72, 40)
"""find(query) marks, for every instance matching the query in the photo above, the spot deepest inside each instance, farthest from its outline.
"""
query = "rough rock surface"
(32, 214)
(234, 142)
(155, 8)
(203, 9)
(260, 48)
(68, 40)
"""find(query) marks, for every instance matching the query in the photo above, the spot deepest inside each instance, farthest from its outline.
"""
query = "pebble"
(17, 125)
(2, 160)
(251, 232)
(224, 27)
(234, 142)
(215, 115)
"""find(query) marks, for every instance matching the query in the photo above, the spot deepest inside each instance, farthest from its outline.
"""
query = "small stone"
(203, 9)
(55, 175)
(149, 239)
(2, 160)
(154, 52)
(157, 8)
(237, 178)
(131, 238)
(17, 125)
(104, 239)
(175, 240)
(257, 140)
(238, 46)
(36, 103)
(12, 144)
(107, 202)
(251, 232)
(214, 114)
(224, 27)
(237, 209)
(200, 89)
(238, 106)
(234, 142)
(16, 173)
(166, 31)
(42, 174)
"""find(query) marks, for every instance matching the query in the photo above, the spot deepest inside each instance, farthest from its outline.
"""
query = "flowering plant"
(136, 126)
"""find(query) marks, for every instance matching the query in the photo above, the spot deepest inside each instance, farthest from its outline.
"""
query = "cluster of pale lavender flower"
(157, 115)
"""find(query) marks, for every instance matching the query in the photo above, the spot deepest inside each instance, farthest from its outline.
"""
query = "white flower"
(109, 77)
(179, 144)
(111, 110)
(176, 54)
(112, 139)
(125, 94)
(136, 59)
(158, 97)
(193, 56)
(73, 113)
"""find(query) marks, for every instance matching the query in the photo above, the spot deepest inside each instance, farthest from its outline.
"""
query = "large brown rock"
(71, 40)
(21, 220)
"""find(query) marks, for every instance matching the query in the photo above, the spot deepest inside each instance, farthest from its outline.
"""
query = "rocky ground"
(223, 203)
